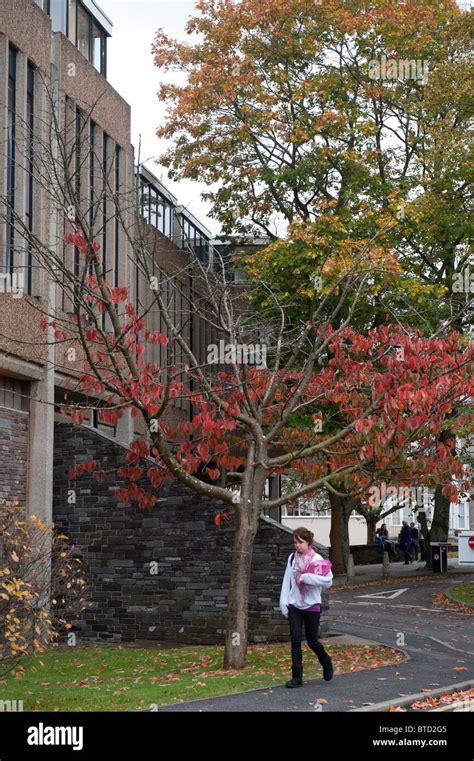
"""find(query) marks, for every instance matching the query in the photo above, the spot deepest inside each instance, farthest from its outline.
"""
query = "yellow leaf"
(15, 557)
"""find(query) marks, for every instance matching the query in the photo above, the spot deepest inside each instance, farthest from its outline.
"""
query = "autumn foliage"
(34, 606)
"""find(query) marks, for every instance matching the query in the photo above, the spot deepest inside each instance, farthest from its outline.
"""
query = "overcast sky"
(130, 70)
(132, 73)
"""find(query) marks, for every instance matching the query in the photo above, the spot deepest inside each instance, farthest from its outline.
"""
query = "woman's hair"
(303, 533)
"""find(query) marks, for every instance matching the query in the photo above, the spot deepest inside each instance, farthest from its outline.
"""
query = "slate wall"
(161, 574)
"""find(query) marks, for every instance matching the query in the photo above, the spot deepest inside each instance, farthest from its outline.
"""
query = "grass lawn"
(463, 593)
(121, 678)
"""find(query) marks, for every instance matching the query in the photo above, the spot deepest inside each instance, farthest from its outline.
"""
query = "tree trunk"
(426, 535)
(440, 524)
(371, 524)
(341, 508)
(236, 639)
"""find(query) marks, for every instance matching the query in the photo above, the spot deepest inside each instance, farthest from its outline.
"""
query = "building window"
(105, 160)
(14, 394)
(91, 40)
(117, 221)
(72, 21)
(137, 285)
(58, 15)
(78, 126)
(92, 209)
(463, 514)
(155, 208)
(83, 32)
(153, 202)
(30, 119)
(92, 143)
(145, 201)
(11, 126)
(169, 216)
(192, 237)
(98, 48)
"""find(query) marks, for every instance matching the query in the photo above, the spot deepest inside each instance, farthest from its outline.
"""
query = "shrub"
(41, 585)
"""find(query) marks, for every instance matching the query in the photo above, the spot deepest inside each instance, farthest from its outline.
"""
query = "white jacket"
(290, 592)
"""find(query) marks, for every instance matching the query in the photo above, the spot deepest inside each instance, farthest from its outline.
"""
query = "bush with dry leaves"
(42, 587)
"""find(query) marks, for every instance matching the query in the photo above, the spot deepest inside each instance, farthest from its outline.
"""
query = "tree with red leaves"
(393, 389)
(342, 408)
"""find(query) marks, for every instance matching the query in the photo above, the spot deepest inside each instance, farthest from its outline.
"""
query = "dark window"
(77, 173)
(105, 170)
(117, 202)
(30, 118)
(153, 206)
(14, 394)
(92, 142)
(10, 232)
(92, 137)
(192, 237)
(137, 285)
(105, 175)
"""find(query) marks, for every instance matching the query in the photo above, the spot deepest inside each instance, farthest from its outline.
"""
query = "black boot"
(297, 675)
(328, 670)
(294, 682)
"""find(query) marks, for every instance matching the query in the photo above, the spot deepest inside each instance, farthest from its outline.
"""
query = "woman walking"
(307, 573)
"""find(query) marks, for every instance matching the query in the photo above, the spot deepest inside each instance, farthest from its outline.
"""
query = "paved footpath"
(401, 612)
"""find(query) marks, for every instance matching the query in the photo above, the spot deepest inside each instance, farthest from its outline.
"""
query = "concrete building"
(53, 70)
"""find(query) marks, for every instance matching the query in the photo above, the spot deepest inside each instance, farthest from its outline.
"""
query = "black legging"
(311, 625)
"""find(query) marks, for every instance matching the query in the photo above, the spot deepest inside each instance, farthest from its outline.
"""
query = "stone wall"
(163, 574)
(14, 426)
(368, 554)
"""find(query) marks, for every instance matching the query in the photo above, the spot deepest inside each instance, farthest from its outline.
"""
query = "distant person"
(380, 536)
(415, 540)
(383, 542)
(307, 573)
(404, 539)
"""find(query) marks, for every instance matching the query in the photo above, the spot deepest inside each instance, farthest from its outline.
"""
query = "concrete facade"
(45, 78)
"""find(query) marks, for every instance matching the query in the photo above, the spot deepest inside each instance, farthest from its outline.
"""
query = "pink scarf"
(304, 563)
